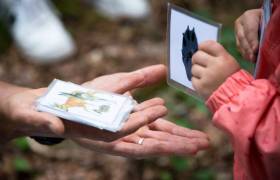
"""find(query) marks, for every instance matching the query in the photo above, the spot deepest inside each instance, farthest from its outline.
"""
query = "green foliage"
(180, 164)
(204, 13)
(204, 174)
(21, 144)
(165, 175)
(21, 165)
(183, 123)
(69, 8)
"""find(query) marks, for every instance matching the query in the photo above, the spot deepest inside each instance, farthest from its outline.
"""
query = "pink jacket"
(248, 110)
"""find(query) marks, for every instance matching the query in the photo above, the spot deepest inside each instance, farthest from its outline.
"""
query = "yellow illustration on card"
(89, 101)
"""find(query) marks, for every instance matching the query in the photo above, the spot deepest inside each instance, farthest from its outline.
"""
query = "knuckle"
(237, 22)
(146, 116)
(208, 43)
(247, 13)
(194, 67)
(214, 45)
(237, 25)
(17, 114)
(23, 115)
(191, 149)
(160, 146)
(250, 29)
(202, 85)
(160, 111)
(195, 56)
(194, 81)
(239, 34)
(193, 71)
(159, 100)
(124, 84)
(197, 85)
(253, 42)
(237, 42)
(223, 63)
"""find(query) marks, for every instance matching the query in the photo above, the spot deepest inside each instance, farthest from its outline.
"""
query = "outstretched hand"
(22, 119)
(144, 134)
(155, 139)
(160, 138)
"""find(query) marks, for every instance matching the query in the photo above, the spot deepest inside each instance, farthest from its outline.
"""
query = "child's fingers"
(250, 23)
(252, 39)
(195, 82)
(238, 27)
(244, 44)
(212, 48)
(201, 58)
(197, 71)
(241, 40)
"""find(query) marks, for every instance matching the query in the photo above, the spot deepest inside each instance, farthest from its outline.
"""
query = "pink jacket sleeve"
(248, 110)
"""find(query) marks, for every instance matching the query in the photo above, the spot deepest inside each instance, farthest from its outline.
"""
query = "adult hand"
(247, 33)
(212, 65)
(123, 82)
(160, 138)
(22, 119)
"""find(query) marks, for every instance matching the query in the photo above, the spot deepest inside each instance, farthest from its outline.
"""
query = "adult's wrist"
(8, 130)
(8, 127)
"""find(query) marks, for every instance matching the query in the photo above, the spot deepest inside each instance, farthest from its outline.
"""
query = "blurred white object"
(38, 32)
(123, 8)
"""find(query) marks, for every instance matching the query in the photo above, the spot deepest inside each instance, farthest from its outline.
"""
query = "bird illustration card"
(185, 32)
(91, 107)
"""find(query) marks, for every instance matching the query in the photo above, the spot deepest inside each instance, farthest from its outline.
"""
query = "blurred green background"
(106, 46)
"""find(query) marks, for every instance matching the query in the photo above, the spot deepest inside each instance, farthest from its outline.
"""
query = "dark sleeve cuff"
(47, 140)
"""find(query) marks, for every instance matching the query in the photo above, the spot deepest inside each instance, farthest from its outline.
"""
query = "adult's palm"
(22, 118)
(160, 137)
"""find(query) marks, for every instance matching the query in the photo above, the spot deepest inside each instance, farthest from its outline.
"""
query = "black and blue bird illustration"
(189, 47)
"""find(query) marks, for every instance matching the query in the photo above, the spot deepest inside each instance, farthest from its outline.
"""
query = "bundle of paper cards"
(90, 107)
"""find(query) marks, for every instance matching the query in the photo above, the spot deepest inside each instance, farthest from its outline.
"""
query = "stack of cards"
(90, 107)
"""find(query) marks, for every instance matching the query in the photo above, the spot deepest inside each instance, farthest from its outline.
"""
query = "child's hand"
(212, 64)
(246, 33)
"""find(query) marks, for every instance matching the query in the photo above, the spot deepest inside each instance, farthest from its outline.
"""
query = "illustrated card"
(185, 32)
(100, 109)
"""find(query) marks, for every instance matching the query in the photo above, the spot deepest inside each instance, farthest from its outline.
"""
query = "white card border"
(116, 125)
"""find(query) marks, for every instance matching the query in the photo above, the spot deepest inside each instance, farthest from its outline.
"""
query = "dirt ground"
(105, 47)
